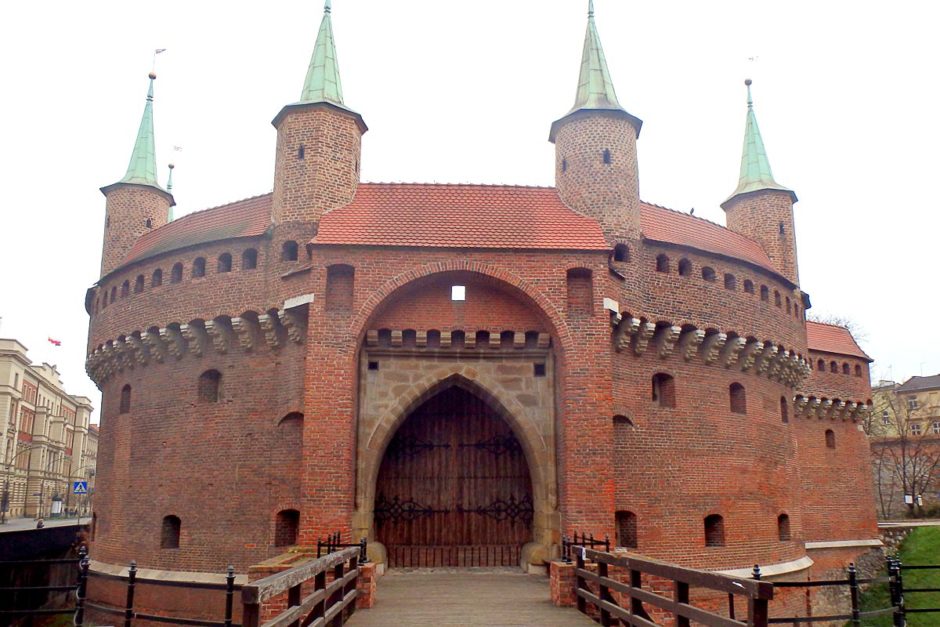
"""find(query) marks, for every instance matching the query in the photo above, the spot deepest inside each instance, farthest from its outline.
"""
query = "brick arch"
(372, 306)
(539, 454)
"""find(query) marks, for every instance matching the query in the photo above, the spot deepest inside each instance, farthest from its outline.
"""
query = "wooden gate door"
(454, 487)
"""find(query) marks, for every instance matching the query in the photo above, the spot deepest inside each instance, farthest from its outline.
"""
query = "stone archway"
(454, 487)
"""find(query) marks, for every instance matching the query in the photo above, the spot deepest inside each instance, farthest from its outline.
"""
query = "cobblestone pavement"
(472, 596)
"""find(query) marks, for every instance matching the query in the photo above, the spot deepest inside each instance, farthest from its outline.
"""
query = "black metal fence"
(333, 543)
(19, 601)
(583, 540)
(898, 592)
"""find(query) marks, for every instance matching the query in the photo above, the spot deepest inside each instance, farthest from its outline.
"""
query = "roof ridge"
(694, 217)
(418, 184)
(830, 324)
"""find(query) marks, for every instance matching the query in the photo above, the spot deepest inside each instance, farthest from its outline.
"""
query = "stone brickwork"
(766, 217)
(127, 211)
(596, 171)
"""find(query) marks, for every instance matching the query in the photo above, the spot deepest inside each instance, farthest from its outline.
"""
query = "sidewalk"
(19, 524)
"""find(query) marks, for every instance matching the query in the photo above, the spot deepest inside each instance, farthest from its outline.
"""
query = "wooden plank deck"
(465, 597)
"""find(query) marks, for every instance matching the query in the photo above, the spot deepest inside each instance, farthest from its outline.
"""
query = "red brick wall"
(758, 216)
(127, 209)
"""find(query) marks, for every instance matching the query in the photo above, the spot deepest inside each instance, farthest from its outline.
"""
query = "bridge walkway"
(471, 596)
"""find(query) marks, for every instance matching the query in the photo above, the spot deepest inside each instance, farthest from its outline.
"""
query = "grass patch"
(920, 548)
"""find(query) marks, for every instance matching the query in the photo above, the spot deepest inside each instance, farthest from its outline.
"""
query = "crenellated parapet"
(222, 335)
(712, 347)
(457, 339)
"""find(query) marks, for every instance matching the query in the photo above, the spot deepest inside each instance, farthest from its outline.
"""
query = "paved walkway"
(19, 524)
(472, 596)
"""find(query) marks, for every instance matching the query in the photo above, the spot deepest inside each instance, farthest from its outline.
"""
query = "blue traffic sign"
(79, 487)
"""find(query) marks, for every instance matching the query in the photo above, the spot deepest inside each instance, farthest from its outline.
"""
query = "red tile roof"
(245, 218)
(830, 338)
(452, 216)
(665, 225)
(459, 216)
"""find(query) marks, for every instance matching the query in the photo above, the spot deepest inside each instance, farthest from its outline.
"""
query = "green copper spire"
(595, 87)
(142, 169)
(755, 167)
(322, 83)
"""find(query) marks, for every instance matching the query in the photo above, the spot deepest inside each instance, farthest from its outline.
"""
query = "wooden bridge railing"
(756, 593)
(328, 603)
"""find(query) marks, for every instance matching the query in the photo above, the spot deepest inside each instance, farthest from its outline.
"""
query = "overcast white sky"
(465, 91)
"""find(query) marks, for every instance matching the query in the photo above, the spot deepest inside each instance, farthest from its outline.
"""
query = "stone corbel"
(642, 338)
(137, 350)
(194, 339)
(518, 339)
(766, 358)
(711, 347)
(446, 339)
(825, 408)
(372, 337)
(666, 340)
(689, 342)
(173, 341)
(814, 408)
(627, 328)
(244, 331)
(544, 340)
(732, 351)
(154, 345)
(269, 325)
(217, 335)
(295, 330)
(421, 339)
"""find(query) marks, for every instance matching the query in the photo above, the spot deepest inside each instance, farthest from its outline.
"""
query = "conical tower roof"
(755, 167)
(595, 87)
(322, 84)
(142, 169)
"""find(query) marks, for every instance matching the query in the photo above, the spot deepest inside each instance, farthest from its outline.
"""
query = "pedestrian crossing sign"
(79, 487)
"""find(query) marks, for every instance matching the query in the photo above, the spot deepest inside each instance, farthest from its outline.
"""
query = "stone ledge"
(771, 570)
(152, 574)
(843, 544)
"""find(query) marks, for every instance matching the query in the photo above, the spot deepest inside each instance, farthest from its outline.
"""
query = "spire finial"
(327, 6)
(750, 101)
(591, 9)
(169, 179)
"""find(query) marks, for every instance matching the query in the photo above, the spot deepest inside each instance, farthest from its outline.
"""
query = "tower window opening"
(225, 263)
(788, 304)
(833, 367)
(845, 369)
(157, 279)
(210, 382)
(176, 274)
(125, 289)
(301, 152)
(113, 294)
(621, 253)
(830, 438)
(249, 259)
(607, 158)
(664, 390)
(748, 286)
(139, 284)
(289, 251)
(458, 293)
(731, 283)
(714, 530)
(662, 263)
(783, 527)
(285, 527)
(538, 369)
(564, 165)
(781, 228)
(708, 274)
(373, 365)
(784, 410)
(125, 399)
(777, 300)
(738, 398)
(858, 370)
(626, 529)
(685, 267)
(199, 267)
(764, 293)
(170, 533)
(148, 223)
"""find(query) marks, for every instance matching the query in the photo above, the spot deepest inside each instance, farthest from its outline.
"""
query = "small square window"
(539, 370)
(458, 292)
(373, 365)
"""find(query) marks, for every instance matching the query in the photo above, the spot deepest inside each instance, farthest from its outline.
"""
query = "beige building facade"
(912, 407)
(46, 439)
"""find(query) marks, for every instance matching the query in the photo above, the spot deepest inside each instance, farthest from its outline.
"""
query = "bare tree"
(905, 459)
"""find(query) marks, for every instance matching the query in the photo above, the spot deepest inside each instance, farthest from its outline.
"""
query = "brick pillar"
(562, 583)
(366, 586)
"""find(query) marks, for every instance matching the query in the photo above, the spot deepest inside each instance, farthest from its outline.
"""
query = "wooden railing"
(756, 593)
(328, 603)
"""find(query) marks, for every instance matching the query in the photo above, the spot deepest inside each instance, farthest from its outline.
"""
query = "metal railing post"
(853, 594)
(82, 588)
(129, 604)
(229, 594)
(579, 581)
(900, 612)
(363, 552)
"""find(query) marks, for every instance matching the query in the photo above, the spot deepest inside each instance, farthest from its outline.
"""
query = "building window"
(821, 365)
(784, 409)
(708, 274)
(285, 527)
(199, 267)
(662, 263)
(776, 298)
(833, 367)
(685, 267)
(885, 417)
(626, 529)
(789, 309)
(748, 286)
(764, 293)
(783, 527)
(738, 398)
(289, 251)
(916, 428)
(458, 293)
(830, 438)
(846, 369)
(714, 530)
(139, 284)
(935, 427)
(157, 279)
(225, 263)
(170, 533)
(664, 390)
(176, 274)
(125, 399)
(209, 383)
(912, 403)
(858, 370)
(125, 289)
(621, 253)
(731, 283)
(607, 158)
(250, 259)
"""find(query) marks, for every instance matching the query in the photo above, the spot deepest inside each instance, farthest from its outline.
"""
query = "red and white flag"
(54, 342)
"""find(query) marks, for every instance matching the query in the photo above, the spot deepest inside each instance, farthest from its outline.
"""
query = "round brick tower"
(136, 204)
(595, 148)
